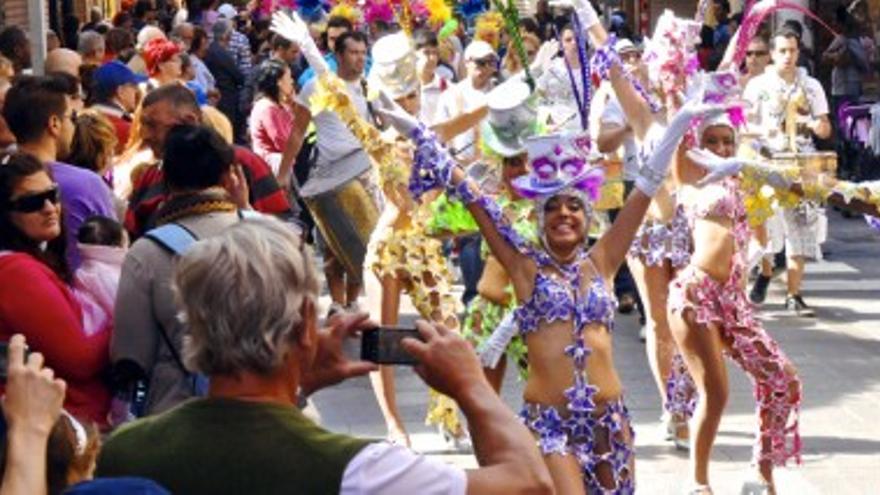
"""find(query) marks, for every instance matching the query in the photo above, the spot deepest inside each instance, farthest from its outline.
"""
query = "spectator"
(115, 95)
(757, 59)
(40, 114)
(103, 244)
(123, 20)
(196, 166)
(160, 111)
(96, 19)
(272, 117)
(35, 300)
(15, 46)
(336, 27)
(31, 408)
(284, 50)
(119, 45)
(162, 59)
(432, 83)
(238, 44)
(145, 35)
(849, 61)
(511, 63)
(198, 49)
(144, 14)
(91, 47)
(260, 346)
(94, 143)
(63, 60)
(228, 77)
(52, 41)
(721, 11)
(183, 35)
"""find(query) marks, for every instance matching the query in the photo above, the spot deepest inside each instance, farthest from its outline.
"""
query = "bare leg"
(653, 285)
(383, 380)
(760, 234)
(335, 275)
(352, 290)
(795, 274)
(702, 351)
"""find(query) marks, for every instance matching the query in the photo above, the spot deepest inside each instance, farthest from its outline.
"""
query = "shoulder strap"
(173, 237)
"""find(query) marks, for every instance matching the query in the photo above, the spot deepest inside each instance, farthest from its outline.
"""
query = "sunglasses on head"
(35, 202)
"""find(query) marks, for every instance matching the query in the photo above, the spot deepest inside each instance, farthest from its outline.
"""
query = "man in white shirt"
(469, 95)
(788, 109)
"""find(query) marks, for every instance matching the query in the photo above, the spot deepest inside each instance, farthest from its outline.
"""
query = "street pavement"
(837, 354)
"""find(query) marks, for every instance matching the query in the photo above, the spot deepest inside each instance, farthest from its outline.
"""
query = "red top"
(37, 304)
(149, 192)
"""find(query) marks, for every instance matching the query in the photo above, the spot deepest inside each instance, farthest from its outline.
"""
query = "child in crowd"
(103, 244)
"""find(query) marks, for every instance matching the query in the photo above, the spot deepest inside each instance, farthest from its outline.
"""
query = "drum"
(346, 217)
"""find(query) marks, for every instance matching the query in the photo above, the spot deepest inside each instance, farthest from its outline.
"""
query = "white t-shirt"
(613, 115)
(769, 95)
(387, 469)
(430, 99)
(461, 98)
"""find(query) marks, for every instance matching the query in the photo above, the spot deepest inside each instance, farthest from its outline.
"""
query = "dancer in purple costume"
(574, 406)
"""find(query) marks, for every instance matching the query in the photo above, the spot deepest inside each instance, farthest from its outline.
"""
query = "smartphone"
(4, 359)
(382, 345)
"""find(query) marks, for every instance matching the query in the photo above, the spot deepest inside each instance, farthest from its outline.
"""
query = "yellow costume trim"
(404, 253)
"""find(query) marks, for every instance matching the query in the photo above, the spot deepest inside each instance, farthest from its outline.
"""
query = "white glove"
(393, 114)
(719, 168)
(584, 9)
(544, 58)
(297, 31)
(658, 158)
(493, 348)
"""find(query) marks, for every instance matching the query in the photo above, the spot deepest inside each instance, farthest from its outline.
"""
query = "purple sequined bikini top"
(560, 297)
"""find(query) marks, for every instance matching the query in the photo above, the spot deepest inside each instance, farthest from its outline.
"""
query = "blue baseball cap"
(113, 74)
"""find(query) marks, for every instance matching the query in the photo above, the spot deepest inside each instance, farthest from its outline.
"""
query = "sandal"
(700, 490)
(674, 428)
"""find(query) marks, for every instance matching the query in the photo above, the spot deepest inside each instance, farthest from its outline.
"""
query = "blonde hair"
(215, 119)
(511, 63)
(242, 294)
(94, 137)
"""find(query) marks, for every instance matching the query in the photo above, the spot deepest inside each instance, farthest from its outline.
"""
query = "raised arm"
(434, 167)
(657, 157)
(588, 17)
(607, 64)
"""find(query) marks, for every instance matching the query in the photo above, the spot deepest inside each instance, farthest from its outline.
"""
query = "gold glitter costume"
(399, 247)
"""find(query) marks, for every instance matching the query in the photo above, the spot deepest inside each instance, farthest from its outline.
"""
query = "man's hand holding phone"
(330, 365)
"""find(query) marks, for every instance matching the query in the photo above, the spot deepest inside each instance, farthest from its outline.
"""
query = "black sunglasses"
(485, 62)
(757, 53)
(35, 202)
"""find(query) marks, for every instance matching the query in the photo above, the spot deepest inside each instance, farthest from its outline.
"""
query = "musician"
(788, 109)
(340, 157)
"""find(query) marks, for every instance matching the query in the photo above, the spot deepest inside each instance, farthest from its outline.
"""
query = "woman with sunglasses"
(35, 299)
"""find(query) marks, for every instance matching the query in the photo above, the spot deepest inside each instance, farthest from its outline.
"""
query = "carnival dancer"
(710, 314)
(399, 256)
(511, 119)
(574, 406)
(663, 243)
(788, 108)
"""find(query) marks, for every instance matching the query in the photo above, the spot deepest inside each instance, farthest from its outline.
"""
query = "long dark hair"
(13, 168)
(267, 77)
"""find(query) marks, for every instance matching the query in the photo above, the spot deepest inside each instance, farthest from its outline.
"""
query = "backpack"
(176, 240)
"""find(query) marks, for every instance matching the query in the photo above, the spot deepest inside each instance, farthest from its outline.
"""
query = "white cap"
(227, 11)
(147, 34)
(624, 45)
(478, 50)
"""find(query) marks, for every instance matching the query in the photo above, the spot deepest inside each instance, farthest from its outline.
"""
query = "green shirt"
(218, 446)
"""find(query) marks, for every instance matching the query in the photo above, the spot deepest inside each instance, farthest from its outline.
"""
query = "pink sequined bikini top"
(729, 204)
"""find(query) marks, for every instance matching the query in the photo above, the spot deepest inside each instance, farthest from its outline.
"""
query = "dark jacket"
(229, 81)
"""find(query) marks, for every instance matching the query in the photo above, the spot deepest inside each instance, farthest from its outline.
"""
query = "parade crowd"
(183, 182)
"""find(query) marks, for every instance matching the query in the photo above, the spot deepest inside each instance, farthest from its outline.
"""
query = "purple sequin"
(656, 242)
